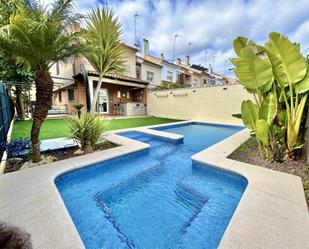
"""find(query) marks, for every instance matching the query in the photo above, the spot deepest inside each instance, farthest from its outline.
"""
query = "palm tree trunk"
(20, 107)
(95, 95)
(44, 91)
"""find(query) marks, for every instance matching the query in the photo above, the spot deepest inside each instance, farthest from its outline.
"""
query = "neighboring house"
(210, 78)
(75, 83)
(148, 68)
(119, 95)
(169, 71)
(188, 76)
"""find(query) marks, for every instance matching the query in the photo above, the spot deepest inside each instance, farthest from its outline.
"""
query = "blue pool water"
(155, 198)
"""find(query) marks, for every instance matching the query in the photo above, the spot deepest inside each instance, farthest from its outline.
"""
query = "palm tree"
(104, 49)
(39, 37)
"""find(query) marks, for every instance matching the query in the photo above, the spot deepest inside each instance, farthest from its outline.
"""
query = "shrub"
(16, 148)
(87, 130)
(168, 85)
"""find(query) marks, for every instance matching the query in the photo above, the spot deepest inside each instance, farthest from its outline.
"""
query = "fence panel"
(6, 112)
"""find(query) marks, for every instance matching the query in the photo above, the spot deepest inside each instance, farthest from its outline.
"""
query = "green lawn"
(53, 128)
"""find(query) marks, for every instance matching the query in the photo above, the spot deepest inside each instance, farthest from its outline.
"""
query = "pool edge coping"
(239, 233)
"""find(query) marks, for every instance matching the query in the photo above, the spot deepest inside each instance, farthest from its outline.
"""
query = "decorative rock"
(16, 159)
(44, 160)
(78, 152)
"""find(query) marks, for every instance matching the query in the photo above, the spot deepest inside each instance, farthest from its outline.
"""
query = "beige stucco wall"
(130, 62)
(151, 68)
(65, 70)
(213, 104)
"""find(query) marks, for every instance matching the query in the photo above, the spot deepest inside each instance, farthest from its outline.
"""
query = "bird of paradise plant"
(278, 77)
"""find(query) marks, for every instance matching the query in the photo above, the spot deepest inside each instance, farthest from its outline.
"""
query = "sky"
(210, 25)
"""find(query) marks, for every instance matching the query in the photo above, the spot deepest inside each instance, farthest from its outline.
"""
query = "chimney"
(162, 56)
(178, 61)
(145, 47)
(187, 60)
(74, 27)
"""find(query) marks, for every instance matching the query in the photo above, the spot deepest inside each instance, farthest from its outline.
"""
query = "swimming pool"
(155, 198)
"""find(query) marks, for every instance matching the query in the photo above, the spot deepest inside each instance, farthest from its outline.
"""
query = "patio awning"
(119, 80)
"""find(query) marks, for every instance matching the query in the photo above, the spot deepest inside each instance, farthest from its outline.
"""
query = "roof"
(150, 59)
(118, 77)
(130, 47)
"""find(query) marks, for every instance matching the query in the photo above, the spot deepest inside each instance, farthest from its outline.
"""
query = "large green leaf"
(254, 71)
(299, 113)
(282, 117)
(303, 85)
(249, 114)
(262, 129)
(240, 43)
(288, 64)
(268, 109)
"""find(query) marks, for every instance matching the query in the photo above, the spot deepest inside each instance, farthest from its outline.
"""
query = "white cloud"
(209, 25)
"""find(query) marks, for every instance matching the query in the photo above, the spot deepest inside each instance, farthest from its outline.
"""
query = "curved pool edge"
(272, 212)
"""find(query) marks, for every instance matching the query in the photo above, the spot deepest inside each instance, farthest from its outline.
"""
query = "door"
(102, 103)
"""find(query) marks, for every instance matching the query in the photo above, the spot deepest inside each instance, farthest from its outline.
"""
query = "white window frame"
(150, 76)
(169, 76)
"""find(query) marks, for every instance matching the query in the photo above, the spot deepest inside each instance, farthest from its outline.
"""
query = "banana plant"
(254, 71)
(278, 77)
(291, 73)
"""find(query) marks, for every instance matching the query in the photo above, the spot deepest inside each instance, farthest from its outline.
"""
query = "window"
(150, 76)
(195, 82)
(60, 96)
(169, 76)
(138, 71)
(205, 82)
(57, 68)
(212, 82)
(71, 96)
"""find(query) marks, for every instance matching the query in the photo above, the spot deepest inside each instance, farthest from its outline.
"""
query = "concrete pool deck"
(272, 212)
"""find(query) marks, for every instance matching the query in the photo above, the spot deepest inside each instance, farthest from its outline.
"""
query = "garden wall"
(213, 104)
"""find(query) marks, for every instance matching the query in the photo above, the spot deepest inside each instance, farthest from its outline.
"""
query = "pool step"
(192, 199)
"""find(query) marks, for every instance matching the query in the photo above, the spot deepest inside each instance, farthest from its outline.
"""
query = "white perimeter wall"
(213, 104)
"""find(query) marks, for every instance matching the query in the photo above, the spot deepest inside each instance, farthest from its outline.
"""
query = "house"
(210, 78)
(169, 72)
(148, 67)
(188, 76)
(119, 94)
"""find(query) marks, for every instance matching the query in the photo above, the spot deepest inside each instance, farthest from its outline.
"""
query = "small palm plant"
(104, 49)
(78, 108)
(39, 37)
(87, 130)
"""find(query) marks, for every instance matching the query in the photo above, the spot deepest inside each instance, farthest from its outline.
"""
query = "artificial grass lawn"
(54, 128)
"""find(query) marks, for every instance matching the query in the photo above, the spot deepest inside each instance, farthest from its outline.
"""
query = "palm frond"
(39, 35)
(102, 37)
